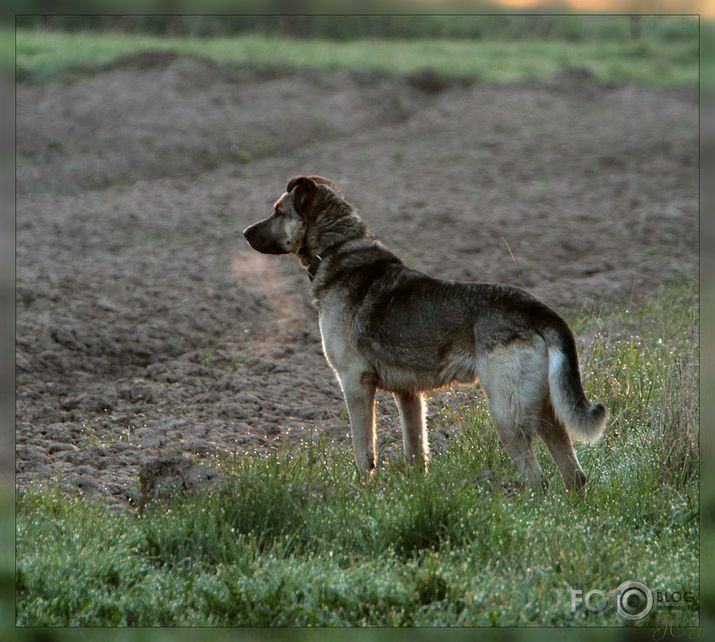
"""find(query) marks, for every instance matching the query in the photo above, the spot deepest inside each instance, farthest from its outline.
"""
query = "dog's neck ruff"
(315, 262)
(319, 257)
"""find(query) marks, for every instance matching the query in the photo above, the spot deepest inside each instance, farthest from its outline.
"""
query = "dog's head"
(286, 230)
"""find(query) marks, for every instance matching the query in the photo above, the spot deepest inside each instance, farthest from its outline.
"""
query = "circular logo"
(633, 600)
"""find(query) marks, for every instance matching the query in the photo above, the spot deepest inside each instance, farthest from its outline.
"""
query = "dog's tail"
(583, 420)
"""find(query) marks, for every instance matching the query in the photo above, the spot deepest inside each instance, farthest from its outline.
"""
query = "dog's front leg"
(360, 399)
(414, 434)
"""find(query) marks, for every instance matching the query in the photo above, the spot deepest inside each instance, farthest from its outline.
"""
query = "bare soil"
(147, 328)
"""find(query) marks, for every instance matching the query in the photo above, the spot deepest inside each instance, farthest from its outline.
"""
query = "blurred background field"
(573, 28)
(650, 49)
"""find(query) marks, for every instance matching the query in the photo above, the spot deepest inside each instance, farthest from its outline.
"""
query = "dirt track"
(145, 324)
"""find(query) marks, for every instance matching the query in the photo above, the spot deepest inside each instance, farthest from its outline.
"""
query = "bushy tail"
(583, 420)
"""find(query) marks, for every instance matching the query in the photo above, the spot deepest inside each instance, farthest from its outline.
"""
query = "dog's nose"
(245, 232)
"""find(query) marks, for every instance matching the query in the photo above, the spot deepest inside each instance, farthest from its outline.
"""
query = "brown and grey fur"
(385, 325)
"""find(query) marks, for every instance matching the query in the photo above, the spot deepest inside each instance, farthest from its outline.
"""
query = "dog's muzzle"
(260, 240)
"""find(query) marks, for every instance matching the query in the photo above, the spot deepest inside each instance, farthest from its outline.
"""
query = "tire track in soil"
(259, 274)
(284, 354)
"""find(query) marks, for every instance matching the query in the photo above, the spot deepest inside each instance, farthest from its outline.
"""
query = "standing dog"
(387, 326)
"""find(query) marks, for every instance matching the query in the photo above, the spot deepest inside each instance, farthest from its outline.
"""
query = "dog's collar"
(313, 266)
(315, 262)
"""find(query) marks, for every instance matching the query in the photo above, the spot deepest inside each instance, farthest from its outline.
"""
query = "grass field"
(293, 540)
(43, 56)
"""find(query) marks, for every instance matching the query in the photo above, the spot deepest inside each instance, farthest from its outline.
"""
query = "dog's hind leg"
(557, 440)
(513, 378)
(517, 441)
(360, 399)
(414, 433)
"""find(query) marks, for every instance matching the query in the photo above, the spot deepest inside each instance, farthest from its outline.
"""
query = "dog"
(384, 325)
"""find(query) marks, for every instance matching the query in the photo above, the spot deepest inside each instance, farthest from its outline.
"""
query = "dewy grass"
(43, 56)
(295, 539)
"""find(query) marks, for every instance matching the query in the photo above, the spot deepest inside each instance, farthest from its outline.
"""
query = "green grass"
(349, 27)
(44, 56)
(292, 540)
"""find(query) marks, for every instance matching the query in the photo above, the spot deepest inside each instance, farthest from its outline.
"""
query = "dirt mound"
(153, 114)
(146, 327)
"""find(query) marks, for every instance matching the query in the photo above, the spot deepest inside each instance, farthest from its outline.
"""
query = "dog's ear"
(304, 192)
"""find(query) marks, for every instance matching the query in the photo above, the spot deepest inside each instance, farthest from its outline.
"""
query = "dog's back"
(421, 333)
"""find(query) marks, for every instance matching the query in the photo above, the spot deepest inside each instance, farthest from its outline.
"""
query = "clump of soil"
(163, 476)
(146, 327)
